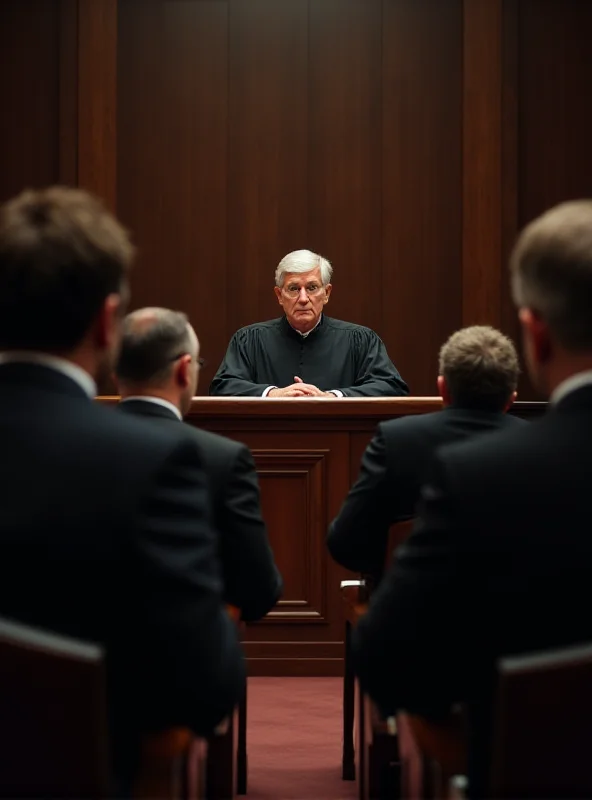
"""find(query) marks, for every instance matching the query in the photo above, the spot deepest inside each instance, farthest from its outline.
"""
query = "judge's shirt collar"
(571, 384)
(304, 335)
(157, 401)
(62, 365)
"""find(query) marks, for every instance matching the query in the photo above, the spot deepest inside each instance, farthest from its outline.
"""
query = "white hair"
(303, 261)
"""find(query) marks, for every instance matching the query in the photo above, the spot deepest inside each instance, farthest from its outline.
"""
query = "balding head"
(158, 357)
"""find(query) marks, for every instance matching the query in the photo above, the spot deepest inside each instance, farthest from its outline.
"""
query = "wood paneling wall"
(406, 140)
(29, 94)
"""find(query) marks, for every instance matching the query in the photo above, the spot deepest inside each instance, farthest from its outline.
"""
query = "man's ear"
(512, 400)
(278, 294)
(108, 321)
(183, 371)
(443, 391)
(536, 334)
(328, 288)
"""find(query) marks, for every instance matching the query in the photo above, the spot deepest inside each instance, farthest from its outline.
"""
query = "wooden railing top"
(324, 407)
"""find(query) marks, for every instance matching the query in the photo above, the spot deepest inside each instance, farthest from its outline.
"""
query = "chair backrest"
(53, 718)
(543, 726)
(398, 532)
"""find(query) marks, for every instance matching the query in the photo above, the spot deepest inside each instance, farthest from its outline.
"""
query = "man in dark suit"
(103, 520)
(157, 374)
(477, 382)
(500, 561)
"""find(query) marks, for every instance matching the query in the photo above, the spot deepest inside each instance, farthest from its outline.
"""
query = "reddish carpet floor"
(294, 740)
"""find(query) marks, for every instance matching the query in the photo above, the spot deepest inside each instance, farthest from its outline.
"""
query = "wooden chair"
(173, 766)
(355, 605)
(432, 754)
(372, 757)
(53, 716)
(242, 764)
(542, 730)
(416, 769)
(53, 724)
(227, 762)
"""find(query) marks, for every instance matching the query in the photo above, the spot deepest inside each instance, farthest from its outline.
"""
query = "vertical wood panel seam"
(68, 92)
(308, 124)
(503, 157)
(227, 321)
(509, 139)
(226, 326)
(381, 222)
(463, 164)
(115, 103)
(97, 99)
(482, 218)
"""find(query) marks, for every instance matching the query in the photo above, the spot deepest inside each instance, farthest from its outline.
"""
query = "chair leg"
(348, 767)
(362, 738)
(241, 756)
(384, 779)
(221, 766)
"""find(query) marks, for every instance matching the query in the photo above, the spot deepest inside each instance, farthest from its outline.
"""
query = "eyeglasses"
(312, 290)
(201, 362)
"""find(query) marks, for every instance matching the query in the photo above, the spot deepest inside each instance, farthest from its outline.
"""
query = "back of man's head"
(480, 367)
(551, 269)
(158, 356)
(61, 255)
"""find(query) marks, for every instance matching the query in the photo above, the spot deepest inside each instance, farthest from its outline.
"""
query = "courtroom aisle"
(294, 740)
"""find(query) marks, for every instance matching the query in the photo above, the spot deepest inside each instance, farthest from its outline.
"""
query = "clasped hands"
(299, 389)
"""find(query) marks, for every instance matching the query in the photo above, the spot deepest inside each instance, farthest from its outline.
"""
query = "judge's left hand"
(310, 390)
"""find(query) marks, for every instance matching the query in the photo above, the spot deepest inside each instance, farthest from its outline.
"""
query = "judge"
(305, 353)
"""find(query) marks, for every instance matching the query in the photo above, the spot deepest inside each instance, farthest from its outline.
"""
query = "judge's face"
(302, 297)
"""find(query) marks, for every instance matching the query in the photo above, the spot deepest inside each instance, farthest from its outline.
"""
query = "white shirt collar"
(304, 335)
(62, 365)
(570, 385)
(158, 401)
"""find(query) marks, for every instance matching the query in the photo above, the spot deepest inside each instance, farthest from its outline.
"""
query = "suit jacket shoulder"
(484, 457)
(217, 450)
(411, 441)
(220, 458)
(140, 448)
(426, 424)
(393, 468)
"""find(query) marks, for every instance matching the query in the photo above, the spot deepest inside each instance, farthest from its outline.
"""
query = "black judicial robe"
(335, 355)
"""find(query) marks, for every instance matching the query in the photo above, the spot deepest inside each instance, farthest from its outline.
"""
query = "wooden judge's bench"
(307, 453)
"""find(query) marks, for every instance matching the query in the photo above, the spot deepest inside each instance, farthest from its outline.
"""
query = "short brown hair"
(551, 268)
(481, 368)
(61, 254)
